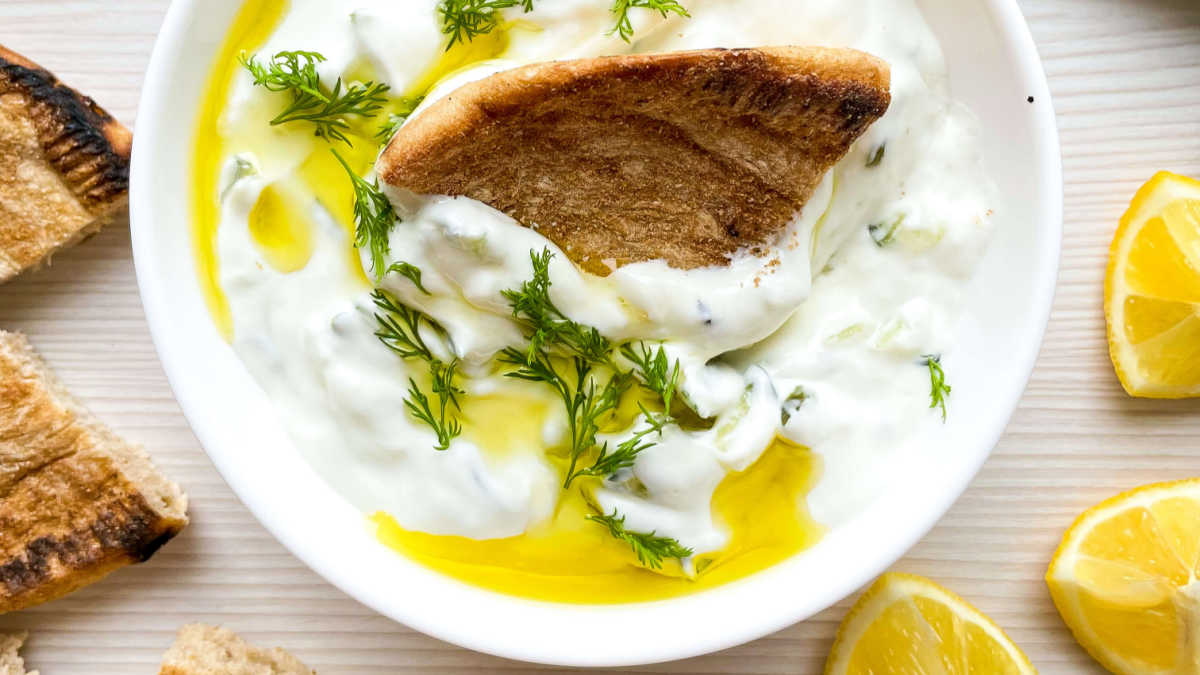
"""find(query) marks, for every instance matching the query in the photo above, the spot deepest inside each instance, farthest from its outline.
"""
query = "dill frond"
(624, 26)
(938, 389)
(374, 217)
(464, 20)
(649, 548)
(295, 72)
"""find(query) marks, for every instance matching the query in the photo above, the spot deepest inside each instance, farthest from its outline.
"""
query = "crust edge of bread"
(201, 649)
(867, 79)
(130, 530)
(85, 144)
(81, 142)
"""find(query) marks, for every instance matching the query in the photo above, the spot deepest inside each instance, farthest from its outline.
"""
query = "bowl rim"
(1010, 22)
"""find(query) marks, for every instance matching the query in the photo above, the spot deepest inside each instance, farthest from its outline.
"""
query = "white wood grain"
(1125, 75)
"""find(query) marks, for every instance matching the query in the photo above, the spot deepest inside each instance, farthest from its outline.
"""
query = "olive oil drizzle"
(253, 24)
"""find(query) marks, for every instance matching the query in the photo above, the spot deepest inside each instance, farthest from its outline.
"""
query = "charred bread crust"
(76, 501)
(85, 145)
(683, 156)
(123, 530)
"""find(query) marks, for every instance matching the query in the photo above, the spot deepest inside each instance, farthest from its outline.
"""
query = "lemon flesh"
(906, 624)
(1152, 291)
(1124, 580)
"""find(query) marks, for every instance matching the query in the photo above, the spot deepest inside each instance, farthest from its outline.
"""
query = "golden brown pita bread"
(212, 650)
(64, 165)
(684, 156)
(76, 501)
(11, 662)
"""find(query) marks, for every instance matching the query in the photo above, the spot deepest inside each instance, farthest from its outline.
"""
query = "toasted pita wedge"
(684, 156)
(11, 662)
(76, 501)
(212, 650)
(64, 165)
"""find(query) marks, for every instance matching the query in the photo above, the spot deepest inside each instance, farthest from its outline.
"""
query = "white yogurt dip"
(845, 317)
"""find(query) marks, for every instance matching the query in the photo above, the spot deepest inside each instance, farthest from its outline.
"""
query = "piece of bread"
(76, 501)
(213, 650)
(683, 156)
(11, 662)
(64, 165)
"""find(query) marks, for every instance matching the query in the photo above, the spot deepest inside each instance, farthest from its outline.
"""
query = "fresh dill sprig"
(409, 270)
(626, 452)
(938, 389)
(586, 404)
(884, 233)
(548, 329)
(296, 72)
(547, 326)
(374, 217)
(464, 20)
(396, 119)
(654, 371)
(400, 327)
(624, 26)
(442, 377)
(400, 330)
(389, 128)
(876, 156)
(593, 406)
(649, 548)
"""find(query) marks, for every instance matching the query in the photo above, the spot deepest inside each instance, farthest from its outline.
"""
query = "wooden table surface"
(1125, 75)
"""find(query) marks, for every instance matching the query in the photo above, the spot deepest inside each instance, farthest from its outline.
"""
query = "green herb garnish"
(654, 371)
(938, 389)
(548, 330)
(791, 404)
(296, 72)
(883, 234)
(586, 405)
(400, 330)
(624, 26)
(374, 217)
(412, 272)
(547, 326)
(442, 377)
(622, 458)
(555, 341)
(627, 451)
(464, 20)
(397, 119)
(400, 327)
(876, 156)
(650, 549)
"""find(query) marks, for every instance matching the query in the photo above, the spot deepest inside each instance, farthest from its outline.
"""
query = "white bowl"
(994, 67)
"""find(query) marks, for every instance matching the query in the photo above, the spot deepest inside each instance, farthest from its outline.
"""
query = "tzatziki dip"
(510, 420)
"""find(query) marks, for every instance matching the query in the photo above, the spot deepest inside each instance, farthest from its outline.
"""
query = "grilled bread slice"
(64, 165)
(213, 650)
(683, 156)
(11, 662)
(76, 501)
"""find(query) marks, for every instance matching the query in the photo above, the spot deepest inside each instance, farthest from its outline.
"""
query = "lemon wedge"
(1152, 290)
(1124, 579)
(907, 624)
